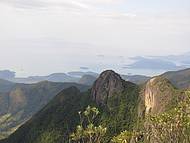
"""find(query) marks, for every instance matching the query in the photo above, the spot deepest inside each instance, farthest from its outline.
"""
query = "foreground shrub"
(87, 132)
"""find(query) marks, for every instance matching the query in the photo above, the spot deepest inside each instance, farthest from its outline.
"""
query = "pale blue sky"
(39, 37)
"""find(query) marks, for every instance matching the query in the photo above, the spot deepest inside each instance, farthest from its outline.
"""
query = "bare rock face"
(149, 96)
(158, 94)
(107, 85)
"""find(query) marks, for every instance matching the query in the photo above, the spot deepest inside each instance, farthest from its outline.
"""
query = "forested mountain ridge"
(21, 101)
(123, 106)
(59, 118)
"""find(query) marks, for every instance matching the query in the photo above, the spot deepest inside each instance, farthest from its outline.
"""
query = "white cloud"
(89, 8)
(91, 5)
(28, 4)
(116, 15)
(74, 4)
(102, 1)
(68, 3)
(24, 3)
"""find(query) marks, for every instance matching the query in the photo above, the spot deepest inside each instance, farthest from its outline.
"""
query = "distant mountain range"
(180, 79)
(163, 63)
(55, 77)
(77, 76)
(6, 85)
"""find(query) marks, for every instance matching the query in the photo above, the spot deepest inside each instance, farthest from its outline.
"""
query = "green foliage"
(55, 121)
(87, 132)
(24, 100)
(121, 112)
(128, 137)
(172, 126)
(48, 137)
(123, 137)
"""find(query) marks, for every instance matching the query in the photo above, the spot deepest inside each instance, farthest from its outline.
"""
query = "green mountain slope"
(180, 79)
(58, 119)
(24, 100)
(5, 86)
(54, 122)
(123, 106)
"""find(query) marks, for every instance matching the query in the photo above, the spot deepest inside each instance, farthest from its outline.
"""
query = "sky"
(39, 37)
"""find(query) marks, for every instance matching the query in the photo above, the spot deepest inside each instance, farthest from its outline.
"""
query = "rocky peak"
(149, 96)
(107, 85)
(157, 95)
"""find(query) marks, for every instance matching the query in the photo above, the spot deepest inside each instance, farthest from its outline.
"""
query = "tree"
(123, 137)
(169, 127)
(172, 126)
(87, 132)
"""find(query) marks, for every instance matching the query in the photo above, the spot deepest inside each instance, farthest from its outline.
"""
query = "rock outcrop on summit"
(108, 84)
(158, 94)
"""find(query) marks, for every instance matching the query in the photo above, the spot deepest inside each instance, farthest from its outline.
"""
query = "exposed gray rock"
(158, 95)
(108, 84)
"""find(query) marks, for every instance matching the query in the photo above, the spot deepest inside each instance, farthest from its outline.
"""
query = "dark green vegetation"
(121, 113)
(59, 118)
(170, 126)
(55, 121)
(19, 102)
(127, 111)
